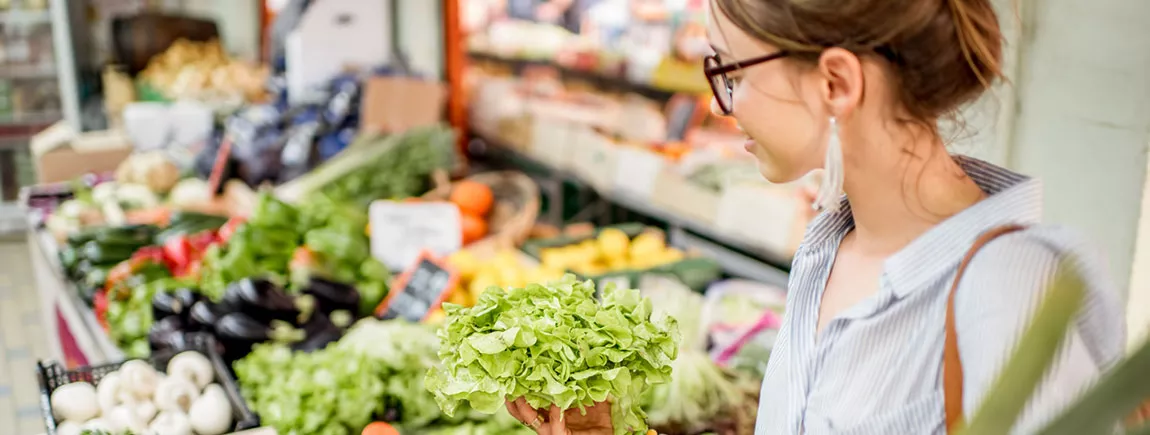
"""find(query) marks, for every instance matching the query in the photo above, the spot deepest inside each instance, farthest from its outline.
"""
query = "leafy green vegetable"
(378, 167)
(377, 366)
(554, 344)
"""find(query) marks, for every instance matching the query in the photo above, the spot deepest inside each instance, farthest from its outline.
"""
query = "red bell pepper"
(177, 252)
(200, 242)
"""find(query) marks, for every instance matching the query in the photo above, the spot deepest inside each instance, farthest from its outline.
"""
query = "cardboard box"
(62, 155)
(395, 104)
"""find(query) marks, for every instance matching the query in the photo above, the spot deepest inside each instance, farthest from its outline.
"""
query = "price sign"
(401, 231)
(418, 290)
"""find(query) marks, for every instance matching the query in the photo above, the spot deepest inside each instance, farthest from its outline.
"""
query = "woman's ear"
(841, 82)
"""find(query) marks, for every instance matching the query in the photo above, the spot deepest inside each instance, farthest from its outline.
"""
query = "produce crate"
(695, 272)
(53, 375)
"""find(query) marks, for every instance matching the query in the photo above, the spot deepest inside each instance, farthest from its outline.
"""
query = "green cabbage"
(554, 344)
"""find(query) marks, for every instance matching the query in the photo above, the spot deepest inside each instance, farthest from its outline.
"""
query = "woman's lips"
(749, 145)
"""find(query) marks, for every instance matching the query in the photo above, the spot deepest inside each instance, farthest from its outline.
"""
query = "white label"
(636, 171)
(400, 231)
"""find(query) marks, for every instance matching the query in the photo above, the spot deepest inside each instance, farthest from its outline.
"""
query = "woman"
(856, 87)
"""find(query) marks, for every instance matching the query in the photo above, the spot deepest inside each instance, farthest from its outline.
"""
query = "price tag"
(418, 290)
(401, 231)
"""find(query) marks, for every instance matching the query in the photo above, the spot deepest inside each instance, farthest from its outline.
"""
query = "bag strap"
(951, 360)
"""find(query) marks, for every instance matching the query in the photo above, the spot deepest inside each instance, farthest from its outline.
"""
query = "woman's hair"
(943, 53)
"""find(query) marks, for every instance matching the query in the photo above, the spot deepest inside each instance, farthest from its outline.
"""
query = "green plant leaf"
(1031, 358)
(1111, 400)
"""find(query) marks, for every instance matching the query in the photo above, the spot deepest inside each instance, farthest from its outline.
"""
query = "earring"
(832, 184)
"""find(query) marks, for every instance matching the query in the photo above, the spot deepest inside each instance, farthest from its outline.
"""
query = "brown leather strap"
(951, 360)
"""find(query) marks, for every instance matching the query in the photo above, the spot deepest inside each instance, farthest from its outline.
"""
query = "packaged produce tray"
(695, 272)
(53, 375)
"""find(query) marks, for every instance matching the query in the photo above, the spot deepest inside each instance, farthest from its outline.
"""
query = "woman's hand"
(559, 422)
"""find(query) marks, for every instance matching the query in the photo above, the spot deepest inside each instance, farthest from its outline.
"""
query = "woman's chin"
(775, 174)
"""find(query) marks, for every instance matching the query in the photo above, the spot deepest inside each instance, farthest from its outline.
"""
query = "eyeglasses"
(721, 85)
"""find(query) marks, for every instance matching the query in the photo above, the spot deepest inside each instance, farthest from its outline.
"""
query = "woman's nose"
(715, 109)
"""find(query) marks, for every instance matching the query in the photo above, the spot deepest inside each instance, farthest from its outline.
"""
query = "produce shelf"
(736, 256)
(600, 80)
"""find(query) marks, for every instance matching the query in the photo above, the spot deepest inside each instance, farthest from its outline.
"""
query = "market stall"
(253, 257)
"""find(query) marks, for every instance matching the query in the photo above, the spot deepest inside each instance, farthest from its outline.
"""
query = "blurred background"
(480, 142)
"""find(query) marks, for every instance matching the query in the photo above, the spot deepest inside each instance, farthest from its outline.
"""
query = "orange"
(473, 227)
(380, 428)
(472, 197)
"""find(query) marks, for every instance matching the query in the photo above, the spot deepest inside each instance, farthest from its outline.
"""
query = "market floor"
(21, 342)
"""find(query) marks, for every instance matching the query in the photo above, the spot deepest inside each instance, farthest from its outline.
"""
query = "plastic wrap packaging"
(741, 319)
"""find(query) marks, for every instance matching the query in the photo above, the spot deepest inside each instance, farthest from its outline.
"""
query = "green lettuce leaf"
(554, 344)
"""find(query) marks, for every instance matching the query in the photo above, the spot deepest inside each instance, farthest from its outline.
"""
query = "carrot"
(380, 428)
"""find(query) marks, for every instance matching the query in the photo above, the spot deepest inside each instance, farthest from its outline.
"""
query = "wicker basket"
(515, 210)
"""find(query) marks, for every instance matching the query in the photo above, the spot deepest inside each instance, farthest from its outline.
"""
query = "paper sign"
(396, 104)
(400, 231)
(419, 290)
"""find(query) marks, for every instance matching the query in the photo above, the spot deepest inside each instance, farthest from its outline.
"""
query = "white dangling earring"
(831, 189)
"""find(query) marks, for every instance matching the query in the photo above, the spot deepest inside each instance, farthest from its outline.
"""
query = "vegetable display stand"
(53, 375)
(623, 253)
(514, 208)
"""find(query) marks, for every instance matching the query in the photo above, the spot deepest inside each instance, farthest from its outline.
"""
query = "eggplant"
(261, 299)
(168, 333)
(238, 332)
(332, 295)
(177, 303)
(203, 315)
(319, 332)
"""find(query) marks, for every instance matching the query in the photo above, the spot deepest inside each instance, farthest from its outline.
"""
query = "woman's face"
(776, 104)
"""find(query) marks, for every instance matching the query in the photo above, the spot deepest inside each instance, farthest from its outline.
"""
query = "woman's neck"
(895, 204)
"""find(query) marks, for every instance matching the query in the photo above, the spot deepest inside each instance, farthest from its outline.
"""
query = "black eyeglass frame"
(712, 67)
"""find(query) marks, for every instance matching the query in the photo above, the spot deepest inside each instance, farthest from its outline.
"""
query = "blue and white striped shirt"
(877, 367)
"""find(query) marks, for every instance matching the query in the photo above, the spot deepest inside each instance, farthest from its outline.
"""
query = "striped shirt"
(877, 367)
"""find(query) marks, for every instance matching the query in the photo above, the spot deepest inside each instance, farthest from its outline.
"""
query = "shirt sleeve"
(996, 301)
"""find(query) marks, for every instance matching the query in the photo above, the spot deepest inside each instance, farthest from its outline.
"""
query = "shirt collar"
(1012, 198)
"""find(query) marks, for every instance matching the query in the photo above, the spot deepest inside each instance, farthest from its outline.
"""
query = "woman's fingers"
(528, 415)
(557, 423)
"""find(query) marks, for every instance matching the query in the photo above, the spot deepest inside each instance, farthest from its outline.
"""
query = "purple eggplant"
(167, 333)
(262, 300)
(331, 295)
(203, 315)
(318, 332)
(238, 332)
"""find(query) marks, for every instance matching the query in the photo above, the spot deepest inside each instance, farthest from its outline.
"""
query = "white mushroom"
(96, 425)
(108, 392)
(69, 428)
(123, 419)
(193, 366)
(75, 402)
(139, 378)
(145, 411)
(211, 414)
(176, 394)
(171, 423)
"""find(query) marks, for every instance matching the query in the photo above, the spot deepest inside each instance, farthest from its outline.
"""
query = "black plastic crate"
(53, 375)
